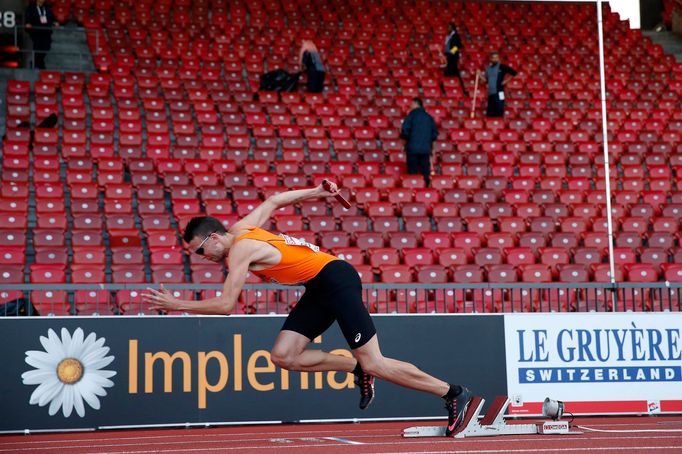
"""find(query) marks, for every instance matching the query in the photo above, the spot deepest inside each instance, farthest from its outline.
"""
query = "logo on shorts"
(357, 338)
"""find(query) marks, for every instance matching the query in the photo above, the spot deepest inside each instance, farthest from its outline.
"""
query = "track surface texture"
(632, 434)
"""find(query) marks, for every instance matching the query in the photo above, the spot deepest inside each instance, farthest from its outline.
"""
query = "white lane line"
(343, 440)
(274, 434)
(447, 449)
(449, 445)
(367, 439)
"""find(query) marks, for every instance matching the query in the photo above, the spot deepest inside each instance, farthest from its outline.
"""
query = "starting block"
(490, 425)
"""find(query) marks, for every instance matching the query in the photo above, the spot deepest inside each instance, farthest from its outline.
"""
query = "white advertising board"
(595, 363)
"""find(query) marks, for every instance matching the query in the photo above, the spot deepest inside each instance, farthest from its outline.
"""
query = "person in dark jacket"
(452, 50)
(311, 62)
(39, 20)
(419, 131)
(494, 75)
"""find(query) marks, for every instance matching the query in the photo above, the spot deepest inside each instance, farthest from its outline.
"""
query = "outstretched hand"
(328, 188)
(161, 299)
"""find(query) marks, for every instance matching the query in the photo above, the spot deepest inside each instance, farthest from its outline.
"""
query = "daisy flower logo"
(69, 372)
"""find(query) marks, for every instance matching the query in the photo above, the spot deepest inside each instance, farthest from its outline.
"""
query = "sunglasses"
(200, 249)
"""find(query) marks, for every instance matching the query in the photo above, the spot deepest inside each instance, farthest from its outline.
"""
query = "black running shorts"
(334, 294)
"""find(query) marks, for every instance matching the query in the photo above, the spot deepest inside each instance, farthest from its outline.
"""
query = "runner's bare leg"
(398, 372)
(290, 352)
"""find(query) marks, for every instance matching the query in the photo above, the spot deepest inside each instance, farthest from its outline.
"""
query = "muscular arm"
(238, 264)
(264, 211)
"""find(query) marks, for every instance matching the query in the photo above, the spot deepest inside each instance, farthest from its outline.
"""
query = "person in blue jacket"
(419, 131)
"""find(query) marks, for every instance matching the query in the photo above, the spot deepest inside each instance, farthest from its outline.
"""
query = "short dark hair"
(202, 227)
(418, 102)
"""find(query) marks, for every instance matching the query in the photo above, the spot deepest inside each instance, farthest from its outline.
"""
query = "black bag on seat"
(279, 80)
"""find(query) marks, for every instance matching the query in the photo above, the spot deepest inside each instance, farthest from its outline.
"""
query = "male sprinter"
(333, 292)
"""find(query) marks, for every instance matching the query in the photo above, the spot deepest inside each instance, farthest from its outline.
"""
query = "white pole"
(604, 127)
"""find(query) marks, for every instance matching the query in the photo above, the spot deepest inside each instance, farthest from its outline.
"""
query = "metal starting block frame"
(492, 424)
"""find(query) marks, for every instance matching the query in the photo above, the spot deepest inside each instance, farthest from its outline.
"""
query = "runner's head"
(203, 235)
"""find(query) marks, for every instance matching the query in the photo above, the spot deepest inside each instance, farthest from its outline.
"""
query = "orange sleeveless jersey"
(301, 261)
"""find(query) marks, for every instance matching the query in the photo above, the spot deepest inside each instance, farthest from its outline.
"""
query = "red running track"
(634, 434)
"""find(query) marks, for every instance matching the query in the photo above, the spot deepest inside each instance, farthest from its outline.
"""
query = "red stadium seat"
(595, 240)
(366, 240)
(512, 224)
(502, 273)
(385, 224)
(468, 241)
(624, 255)
(92, 302)
(380, 209)
(87, 274)
(11, 274)
(444, 210)
(210, 274)
(641, 272)
(352, 255)
(366, 273)
(661, 240)
(554, 256)
(542, 224)
(601, 273)
(417, 224)
(480, 225)
(487, 256)
(48, 274)
(49, 238)
(587, 256)
(414, 257)
(536, 273)
(402, 240)
(564, 240)
(165, 257)
(467, 274)
(9, 295)
(128, 275)
(395, 273)
(380, 257)
(50, 302)
(666, 225)
(12, 255)
(533, 240)
(672, 272)
(500, 240)
(573, 273)
(653, 255)
(353, 224)
(432, 274)
(628, 239)
(451, 256)
(435, 240)
(167, 275)
(333, 240)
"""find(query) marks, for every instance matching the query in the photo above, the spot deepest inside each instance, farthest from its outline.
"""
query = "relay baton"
(326, 184)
